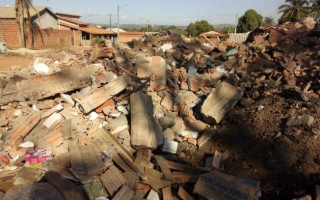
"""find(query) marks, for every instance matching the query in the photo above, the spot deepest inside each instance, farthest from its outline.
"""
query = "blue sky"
(168, 12)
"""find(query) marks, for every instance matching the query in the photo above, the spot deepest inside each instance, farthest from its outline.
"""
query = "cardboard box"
(218, 186)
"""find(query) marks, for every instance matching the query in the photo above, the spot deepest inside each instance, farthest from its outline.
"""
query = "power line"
(179, 17)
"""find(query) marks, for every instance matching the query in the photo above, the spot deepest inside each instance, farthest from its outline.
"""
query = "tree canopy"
(294, 10)
(268, 21)
(249, 21)
(315, 9)
(198, 27)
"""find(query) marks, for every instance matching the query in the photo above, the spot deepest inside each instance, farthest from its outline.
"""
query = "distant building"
(116, 30)
(88, 32)
(41, 17)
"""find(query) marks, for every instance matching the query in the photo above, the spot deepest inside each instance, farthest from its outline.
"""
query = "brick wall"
(129, 36)
(52, 38)
(44, 38)
(78, 38)
(9, 32)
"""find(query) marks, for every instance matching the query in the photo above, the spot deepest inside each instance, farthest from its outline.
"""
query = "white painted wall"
(46, 21)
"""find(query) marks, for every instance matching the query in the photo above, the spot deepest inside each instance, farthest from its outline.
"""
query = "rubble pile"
(149, 119)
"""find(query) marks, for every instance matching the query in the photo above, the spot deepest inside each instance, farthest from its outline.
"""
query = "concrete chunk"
(155, 67)
(219, 102)
(40, 87)
(170, 146)
(102, 95)
(53, 120)
(118, 124)
(67, 98)
(145, 130)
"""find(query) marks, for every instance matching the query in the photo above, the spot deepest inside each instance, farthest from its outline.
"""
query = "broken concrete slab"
(40, 87)
(219, 102)
(156, 68)
(145, 130)
(102, 95)
(67, 98)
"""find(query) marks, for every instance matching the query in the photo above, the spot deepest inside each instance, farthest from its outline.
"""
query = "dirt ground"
(24, 57)
(261, 147)
(7, 61)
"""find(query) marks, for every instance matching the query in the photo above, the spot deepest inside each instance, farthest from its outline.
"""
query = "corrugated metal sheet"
(238, 37)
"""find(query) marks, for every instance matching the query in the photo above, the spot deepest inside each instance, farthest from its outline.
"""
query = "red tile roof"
(74, 21)
(68, 14)
(96, 31)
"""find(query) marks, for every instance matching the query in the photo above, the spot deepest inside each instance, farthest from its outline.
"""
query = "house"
(116, 30)
(89, 33)
(41, 17)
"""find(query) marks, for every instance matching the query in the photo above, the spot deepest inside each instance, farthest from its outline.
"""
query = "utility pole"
(118, 10)
(110, 21)
(147, 25)
(235, 28)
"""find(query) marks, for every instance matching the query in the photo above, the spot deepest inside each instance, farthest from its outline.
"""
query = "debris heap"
(138, 121)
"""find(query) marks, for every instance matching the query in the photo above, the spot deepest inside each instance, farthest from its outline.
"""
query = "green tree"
(199, 27)
(149, 28)
(294, 11)
(162, 28)
(191, 30)
(249, 21)
(227, 29)
(172, 27)
(315, 9)
(268, 21)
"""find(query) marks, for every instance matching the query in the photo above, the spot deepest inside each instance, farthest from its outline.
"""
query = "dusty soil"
(24, 57)
(7, 61)
(261, 147)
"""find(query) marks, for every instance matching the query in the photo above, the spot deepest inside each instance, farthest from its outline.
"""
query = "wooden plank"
(66, 129)
(112, 179)
(76, 159)
(144, 131)
(184, 194)
(23, 125)
(164, 167)
(132, 179)
(154, 179)
(5, 186)
(92, 162)
(125, 193)
(183, 177)
(102, 145)
(166, 193)
(186, 168)
(112, 142)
